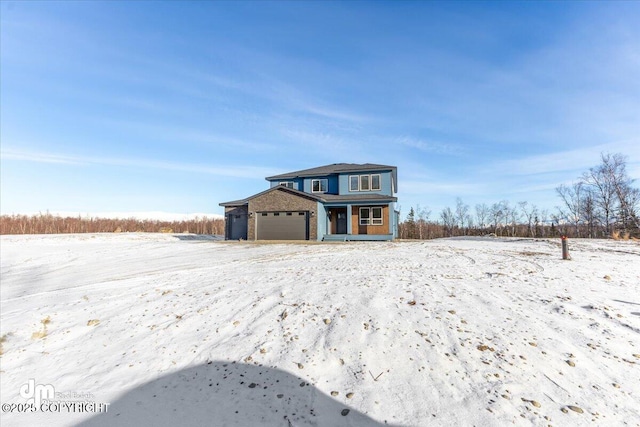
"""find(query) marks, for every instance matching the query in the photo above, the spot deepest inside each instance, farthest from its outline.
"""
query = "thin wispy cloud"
(10, 154)
(239, 171)
(562, 161)
(476, 100)
(428, 146)
(446, 187)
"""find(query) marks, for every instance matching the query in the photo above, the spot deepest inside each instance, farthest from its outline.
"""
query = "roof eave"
(234, 203)
(298, 193)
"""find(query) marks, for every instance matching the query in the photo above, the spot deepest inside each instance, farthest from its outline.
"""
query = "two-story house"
(342, 201)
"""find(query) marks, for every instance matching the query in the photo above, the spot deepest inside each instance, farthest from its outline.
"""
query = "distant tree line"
(602, 203)
(53, 224)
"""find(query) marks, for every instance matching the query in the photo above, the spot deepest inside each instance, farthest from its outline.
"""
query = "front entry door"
(341, 224)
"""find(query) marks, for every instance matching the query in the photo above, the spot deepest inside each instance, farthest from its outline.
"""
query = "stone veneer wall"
(235, 210)
(280, 200)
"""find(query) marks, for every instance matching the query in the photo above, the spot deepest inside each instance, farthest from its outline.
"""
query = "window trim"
(379, 182)
(357, 177)
(371, 218)
(361, 220)
(369, 178)
(374, 220)
(320, 181)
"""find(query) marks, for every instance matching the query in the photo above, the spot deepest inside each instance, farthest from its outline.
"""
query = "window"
(364, 216)
(365, 182)
(276, 214)
(375, 182)
(371, 216)
(354, 183)
(288, 184)
(318, 185)
(376, 216)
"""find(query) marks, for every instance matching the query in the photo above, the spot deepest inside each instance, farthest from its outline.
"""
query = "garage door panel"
(282, 226)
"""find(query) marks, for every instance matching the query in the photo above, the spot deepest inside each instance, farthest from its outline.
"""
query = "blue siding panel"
(297, 183)
(332, 184)
(385, 183)
(321, 213)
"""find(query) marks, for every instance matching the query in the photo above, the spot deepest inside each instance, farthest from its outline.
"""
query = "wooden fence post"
(565, 248)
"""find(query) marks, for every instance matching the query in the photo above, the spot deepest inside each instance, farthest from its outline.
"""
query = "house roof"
(332, 169)
(332, 198)
(242, 202)
(325, 198)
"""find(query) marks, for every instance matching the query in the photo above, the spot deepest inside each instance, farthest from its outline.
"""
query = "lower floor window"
(371, 216)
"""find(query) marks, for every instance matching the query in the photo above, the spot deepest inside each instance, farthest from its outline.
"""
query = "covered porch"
(359, 222)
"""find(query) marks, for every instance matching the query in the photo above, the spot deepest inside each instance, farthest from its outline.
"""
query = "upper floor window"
(318, 185)
(288, 184)
(354, 183)
(375, 182)
(364, 182)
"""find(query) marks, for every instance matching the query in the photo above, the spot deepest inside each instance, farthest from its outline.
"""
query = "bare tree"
(462, 212)
(50, 224)
(631, 203)
(530, 213)
(469, 221)
(599, 178)
(544, 220)
(589, 212)
(423, 218)
(572, 198)
(449, 220)
(498, 213)
(614, 168)
(482, 215)
(513, 217)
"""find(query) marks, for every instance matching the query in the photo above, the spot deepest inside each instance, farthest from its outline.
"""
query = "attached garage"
(292, 225)
(279, 213)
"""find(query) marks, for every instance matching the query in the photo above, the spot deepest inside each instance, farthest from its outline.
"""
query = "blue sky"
(176, 106)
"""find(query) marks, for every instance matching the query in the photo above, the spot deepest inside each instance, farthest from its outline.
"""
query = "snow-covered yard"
(175, 331)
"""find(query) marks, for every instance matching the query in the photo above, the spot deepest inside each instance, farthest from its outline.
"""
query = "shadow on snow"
(229, 394)
(199, 237)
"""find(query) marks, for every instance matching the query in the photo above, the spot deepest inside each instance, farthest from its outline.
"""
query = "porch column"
(349, 231)
(392, 218)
